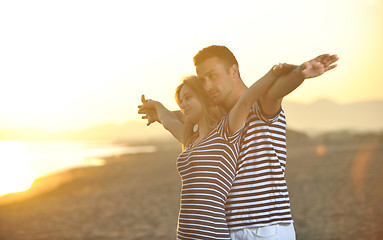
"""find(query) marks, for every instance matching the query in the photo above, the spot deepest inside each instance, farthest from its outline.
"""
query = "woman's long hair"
(211, 112)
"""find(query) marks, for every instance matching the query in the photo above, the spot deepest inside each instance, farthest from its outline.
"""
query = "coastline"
(104, 202)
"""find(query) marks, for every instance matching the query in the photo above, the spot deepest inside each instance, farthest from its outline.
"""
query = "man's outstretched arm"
(285, 84)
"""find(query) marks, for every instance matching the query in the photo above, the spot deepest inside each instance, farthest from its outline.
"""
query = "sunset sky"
(73, 64)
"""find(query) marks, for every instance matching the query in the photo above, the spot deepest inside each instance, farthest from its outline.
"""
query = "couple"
(233, 137)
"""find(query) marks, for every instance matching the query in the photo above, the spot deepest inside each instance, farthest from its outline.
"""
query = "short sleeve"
(223, 130)
(258, 110)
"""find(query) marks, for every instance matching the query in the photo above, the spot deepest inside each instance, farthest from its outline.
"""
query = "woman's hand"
(283, 68)
(155, 111)
(148, 110)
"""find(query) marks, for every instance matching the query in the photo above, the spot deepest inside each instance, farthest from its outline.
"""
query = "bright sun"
(15, 174)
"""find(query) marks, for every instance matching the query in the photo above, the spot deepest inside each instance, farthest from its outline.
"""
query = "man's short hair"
(221, 52)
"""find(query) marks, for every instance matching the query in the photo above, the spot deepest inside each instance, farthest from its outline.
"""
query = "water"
(22, 162)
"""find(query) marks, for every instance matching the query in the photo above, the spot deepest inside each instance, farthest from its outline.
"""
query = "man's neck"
(232, 100)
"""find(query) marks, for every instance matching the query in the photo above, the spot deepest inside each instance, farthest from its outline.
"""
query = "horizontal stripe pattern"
(207, 172)
(259, 195)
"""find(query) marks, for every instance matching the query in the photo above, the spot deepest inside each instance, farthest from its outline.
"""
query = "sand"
(335, 190)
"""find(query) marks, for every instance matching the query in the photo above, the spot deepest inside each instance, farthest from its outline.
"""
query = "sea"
(21, 162)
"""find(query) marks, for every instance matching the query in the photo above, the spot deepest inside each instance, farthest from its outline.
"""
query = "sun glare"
(15, 174)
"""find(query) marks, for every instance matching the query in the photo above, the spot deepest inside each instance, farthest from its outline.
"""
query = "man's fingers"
(332, 59)
(331, 67)
(322, 56)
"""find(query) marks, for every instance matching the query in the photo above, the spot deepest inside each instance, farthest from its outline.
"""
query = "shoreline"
(107, 202)
(57, 176)
(53, 180)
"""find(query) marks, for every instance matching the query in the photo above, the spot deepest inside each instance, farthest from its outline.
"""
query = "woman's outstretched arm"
(167, 118)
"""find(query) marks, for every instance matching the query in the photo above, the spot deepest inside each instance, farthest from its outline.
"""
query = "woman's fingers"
(143, 100)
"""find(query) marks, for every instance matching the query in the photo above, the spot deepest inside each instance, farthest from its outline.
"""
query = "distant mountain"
(317, 117)
(132, 131)
(325, 115)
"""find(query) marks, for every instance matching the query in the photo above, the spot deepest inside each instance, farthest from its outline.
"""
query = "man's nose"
(207, 85)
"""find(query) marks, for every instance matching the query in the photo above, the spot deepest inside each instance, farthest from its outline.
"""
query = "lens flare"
(321, 150)
(359, 168)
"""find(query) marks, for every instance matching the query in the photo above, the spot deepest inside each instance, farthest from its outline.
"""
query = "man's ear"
(234, 71)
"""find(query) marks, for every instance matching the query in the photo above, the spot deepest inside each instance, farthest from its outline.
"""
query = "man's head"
(222, 52)
(217, 69)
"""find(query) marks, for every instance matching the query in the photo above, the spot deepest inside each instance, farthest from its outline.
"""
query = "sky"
(74, 64)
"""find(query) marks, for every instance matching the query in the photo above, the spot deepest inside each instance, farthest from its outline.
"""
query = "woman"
(210, 143)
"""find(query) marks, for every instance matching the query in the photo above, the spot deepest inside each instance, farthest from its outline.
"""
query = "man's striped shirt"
(207, 171)
(259, 194)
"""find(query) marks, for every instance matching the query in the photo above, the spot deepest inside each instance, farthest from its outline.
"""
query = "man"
(258, 204)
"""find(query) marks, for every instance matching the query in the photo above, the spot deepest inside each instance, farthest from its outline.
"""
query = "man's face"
(216, 79)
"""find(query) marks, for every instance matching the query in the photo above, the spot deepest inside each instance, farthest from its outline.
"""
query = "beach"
(335, 188)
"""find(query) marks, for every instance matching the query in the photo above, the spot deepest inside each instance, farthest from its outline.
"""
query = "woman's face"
(190, 104)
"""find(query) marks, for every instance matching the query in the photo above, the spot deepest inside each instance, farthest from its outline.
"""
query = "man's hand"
(318, 65)
(148, 110)
(285, 84)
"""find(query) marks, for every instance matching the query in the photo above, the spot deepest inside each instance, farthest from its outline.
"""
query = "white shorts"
(282, 231)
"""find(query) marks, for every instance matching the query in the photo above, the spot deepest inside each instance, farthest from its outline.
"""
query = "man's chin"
(217, 100)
